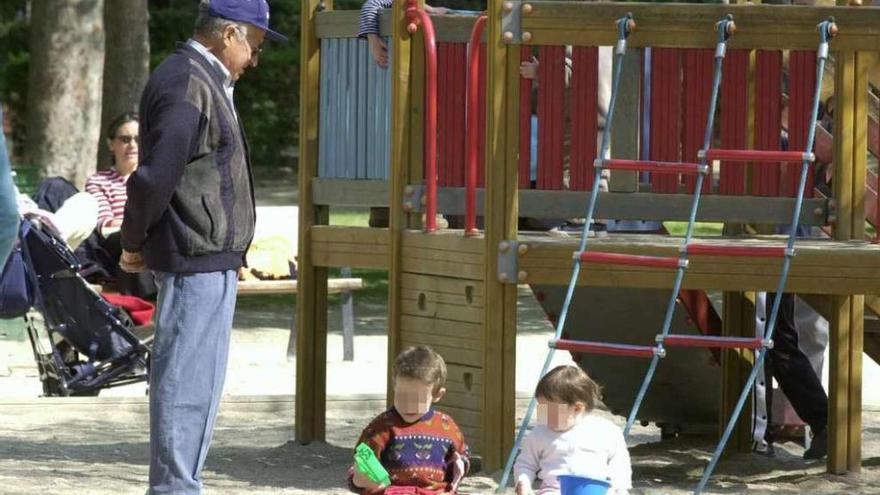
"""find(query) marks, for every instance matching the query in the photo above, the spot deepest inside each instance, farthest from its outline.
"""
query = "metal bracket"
(511, 27)
(508, 262)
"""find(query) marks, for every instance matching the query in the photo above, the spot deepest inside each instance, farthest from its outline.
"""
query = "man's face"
(241, 50)
(413, 398)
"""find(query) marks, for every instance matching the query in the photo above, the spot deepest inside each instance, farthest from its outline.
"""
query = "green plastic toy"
(366, 462)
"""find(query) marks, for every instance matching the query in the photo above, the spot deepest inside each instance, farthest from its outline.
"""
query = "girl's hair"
(568, 385)
(421, 363)
(120, 121)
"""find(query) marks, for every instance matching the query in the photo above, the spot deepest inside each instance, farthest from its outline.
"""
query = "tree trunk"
(64, 100)
(126, 64)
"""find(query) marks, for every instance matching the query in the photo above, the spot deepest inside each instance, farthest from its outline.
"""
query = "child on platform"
(420, 447)
(570, 439)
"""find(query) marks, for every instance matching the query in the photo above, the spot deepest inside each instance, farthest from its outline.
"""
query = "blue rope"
(723, 36)
(623, 30)
(825, 34)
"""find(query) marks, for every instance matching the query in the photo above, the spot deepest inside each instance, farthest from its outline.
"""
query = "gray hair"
(212, 27)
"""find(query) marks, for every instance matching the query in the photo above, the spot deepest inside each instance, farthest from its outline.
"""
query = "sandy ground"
(100, 446)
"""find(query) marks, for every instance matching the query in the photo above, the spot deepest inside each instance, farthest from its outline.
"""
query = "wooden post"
(311, 345)
(840, 385)
(738, 321)
(625, 137)
(501, 210)
(400, 170)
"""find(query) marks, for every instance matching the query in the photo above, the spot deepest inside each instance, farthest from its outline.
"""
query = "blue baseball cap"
(254, 12)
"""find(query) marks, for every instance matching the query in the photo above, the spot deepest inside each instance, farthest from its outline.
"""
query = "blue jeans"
(187, 370)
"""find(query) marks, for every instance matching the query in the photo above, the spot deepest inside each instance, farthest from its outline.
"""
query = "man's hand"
(528, 69)
(132, 262)
(378, 49)
(523, 489)
(360, 480)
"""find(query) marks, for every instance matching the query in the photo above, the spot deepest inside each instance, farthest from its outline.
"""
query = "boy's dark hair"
(421, 363)
(568, 384)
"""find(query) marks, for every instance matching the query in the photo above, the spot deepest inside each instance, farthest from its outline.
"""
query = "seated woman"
(109, 188)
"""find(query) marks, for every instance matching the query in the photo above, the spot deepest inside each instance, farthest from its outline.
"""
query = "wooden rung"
(712, 341)
(653, 166)
(758, 156)
(289, 286)
(744, 251)
(605, 348)
(630, 259)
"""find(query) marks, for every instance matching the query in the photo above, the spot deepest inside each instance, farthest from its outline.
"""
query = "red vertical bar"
(734, 119)
(551, 77)
(697, 75)
(768, 119)
(443, 124)
(801, 85)
(584, 115)
(460, 88)
(525, 124)
(665, 106)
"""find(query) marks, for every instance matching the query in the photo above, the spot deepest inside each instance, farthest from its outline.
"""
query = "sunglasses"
(127, 139)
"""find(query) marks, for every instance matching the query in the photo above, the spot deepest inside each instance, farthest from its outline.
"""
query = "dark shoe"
(819, 446)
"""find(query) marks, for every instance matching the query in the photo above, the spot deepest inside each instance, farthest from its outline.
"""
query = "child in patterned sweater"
(421, 448)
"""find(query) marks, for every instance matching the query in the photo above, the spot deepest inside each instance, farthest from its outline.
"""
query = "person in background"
(8, 202)
(369, 27)
(190, 218)
(108, 186)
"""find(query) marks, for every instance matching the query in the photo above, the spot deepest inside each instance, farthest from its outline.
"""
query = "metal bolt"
(522, 275)
(503, 246)
(527, 8)
(523, 249)
(411, 28)
(507, 36)
(508, 6)
(526, 36)
(818, 212)
(502, 277)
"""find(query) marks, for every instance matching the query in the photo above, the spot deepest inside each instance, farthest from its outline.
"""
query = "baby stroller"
(81, 342)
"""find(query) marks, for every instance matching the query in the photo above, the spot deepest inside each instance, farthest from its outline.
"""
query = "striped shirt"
(108, 187)
(369, 20)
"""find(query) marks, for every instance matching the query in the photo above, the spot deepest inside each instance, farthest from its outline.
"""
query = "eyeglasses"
(255, 52)
(127, 139)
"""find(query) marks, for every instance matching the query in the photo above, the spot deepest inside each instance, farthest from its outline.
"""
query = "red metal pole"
(473, 117)
(418, 17)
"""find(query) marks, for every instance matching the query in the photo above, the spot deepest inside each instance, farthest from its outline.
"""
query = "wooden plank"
(334, 286)
(445, 298)
(758, 26)
(738, 321)
(443, 311)
(311, 318)
(441, 267)
(350, 192)
(451, 256)
(444, 241)
(625, 137)
(838, 387)
(339, 260)
(442, 284)
(856, 348)
(501, 213)
(335, 234)
(399, 173)
(452, 353)
(456, 329)
(648, 206)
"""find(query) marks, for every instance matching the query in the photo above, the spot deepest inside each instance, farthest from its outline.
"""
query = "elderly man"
(190, 219)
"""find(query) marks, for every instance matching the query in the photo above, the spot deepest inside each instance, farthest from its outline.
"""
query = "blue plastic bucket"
(578, 485)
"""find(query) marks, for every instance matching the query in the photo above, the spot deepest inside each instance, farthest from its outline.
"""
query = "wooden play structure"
(368, 138)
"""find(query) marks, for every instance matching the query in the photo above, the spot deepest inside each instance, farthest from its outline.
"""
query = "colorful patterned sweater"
(416, 454)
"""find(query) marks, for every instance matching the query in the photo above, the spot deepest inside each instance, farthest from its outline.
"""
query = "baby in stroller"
(84, 343)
